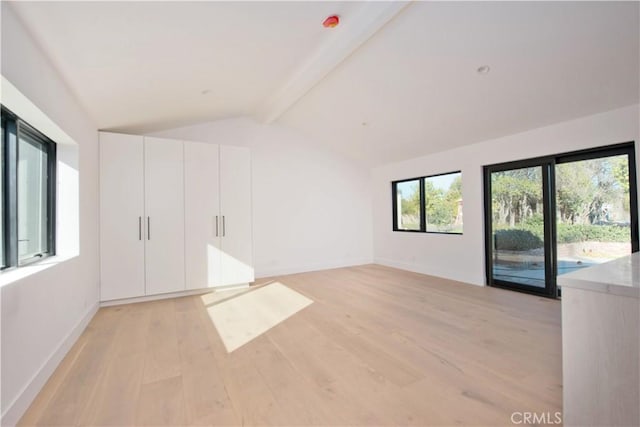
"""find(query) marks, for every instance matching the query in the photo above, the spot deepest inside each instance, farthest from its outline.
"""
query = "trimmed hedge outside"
(515, 239)
(530, 236)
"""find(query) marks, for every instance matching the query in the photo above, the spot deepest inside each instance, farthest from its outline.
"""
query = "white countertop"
(618, 277)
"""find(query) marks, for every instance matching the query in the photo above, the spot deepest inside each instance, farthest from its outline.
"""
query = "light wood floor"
(378, 346)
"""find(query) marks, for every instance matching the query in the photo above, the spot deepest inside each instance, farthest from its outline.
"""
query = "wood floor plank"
(390, 367)
(222, 359)
(70, 399)
(114, 402)
(206, 399)
(385, 330)
(133, 333)
(161, 403)
(255, 401)
(436, 332)
(287, 337)
(190, 332)
(162, 355)
(35, 411)
(378, 346)
(303, 401)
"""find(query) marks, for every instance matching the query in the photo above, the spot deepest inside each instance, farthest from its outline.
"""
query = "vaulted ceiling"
(392, 81)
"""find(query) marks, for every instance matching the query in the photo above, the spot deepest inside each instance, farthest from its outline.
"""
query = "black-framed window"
(428, 204)
(408, 205)
(27, 186)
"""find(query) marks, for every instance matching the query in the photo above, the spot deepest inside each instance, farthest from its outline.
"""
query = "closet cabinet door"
(121, 216)
(235, 207)
(164, 221)
(203, 223)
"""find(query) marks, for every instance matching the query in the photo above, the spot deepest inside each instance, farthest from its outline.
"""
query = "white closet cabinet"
(164, 209)
(218, 232)
(235, 207)
(202, 215)
(121, 216)
(141, 216)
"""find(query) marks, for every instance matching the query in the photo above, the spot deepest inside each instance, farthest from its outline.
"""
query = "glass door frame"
(548, 163)
(547, 170)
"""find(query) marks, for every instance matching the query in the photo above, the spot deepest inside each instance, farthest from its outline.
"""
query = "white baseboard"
(165, 296)
(231, 287)
(417, 268)
(20, 404)
(272, 272)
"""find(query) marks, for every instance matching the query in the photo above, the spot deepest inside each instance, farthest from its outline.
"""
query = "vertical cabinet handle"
(148, 228)
(216, 225)
(139, 228)
(224, 228)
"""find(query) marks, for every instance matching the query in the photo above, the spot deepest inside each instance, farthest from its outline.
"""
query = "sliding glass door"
(593, 210)
(520, 249)
(549, 216)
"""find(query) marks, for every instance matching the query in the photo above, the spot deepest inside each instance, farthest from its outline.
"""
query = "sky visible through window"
(443, 182)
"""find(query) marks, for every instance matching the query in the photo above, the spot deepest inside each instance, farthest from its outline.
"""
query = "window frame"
(394, 191)
(2, 191)
(423, 207)
(14, 127)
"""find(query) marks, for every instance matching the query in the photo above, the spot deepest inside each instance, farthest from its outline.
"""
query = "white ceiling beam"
(346, 39)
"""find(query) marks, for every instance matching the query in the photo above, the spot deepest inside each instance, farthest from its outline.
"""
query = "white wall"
(42, 312)
(462, 257)
(311, 207)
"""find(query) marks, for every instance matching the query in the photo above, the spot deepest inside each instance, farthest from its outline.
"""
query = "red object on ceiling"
(331, 21)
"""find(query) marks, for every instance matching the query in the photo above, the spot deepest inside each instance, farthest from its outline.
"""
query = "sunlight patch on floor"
(248, 315)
